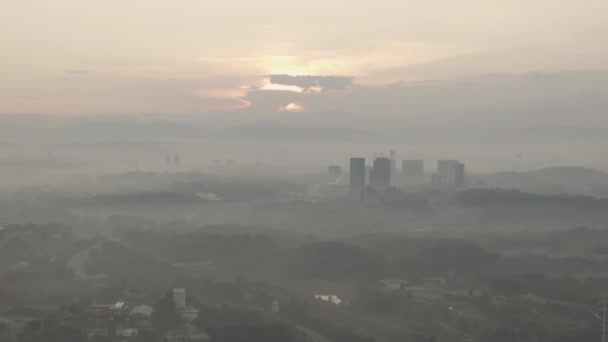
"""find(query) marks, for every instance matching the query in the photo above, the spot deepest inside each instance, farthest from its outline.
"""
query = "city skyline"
(489, 80)
(303, 171)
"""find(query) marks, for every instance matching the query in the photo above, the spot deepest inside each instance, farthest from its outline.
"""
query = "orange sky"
(133, 56)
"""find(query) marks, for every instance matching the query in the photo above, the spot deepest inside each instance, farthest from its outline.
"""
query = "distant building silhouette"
(393, 156)
(357, 175)
(413, 168)
(380, 178)
(334, 171)
(179, 298)
(460, 176)
(447, 168)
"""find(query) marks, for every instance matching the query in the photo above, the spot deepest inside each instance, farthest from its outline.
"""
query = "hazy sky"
(191, 56)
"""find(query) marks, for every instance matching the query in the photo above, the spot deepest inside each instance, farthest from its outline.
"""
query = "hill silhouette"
(551, 181)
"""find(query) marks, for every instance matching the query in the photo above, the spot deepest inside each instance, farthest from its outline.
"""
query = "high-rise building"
(179, 298)
(381, 174)
(357, 175)
(334, 171)
(460, 176)
(447, 168)
(413, 168)
(393, 156)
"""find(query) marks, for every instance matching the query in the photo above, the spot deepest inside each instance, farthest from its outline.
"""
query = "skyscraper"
(334, 171)
(447, 168)
(381, 174)
(179, 298)
(357, 175)
(413, 168)
(460, 176)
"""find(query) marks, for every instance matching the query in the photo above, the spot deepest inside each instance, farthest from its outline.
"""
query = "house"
(144, 311)
(189, 313)
(329, 299)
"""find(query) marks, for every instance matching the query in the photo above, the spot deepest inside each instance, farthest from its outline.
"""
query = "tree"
(50, 331)
(165, 316)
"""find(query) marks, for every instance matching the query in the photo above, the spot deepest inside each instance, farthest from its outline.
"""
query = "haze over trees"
(303, 171)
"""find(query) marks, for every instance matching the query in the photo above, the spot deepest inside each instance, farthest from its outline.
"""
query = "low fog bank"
(247, 220)
(313, 203)
(498, 122)
(412, 263)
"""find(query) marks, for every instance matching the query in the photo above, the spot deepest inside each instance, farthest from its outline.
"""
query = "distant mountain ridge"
(125, 130)
(274, 131)
(551, 181)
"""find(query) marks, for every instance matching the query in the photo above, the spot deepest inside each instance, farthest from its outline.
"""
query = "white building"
(179, 298)
(329, 299)
(189, 313)
(275, 307)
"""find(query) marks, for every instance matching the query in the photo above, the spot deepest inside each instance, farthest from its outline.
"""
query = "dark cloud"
(307, 82)
(540, 107)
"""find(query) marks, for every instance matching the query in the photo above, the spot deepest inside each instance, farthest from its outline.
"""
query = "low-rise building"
(189, 313)
(145, 311)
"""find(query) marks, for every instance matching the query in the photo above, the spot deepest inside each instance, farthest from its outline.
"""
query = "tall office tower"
(447, 168)
(381, 174)
(393, 156)
(413, 168)
(334, 171)
(179, 298)
(357, 175)
(460, 176)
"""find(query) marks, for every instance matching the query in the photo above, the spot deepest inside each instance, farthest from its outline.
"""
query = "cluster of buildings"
(125, 323)
(187, 313)
(450, 173)
(119, 321)
(380, 175)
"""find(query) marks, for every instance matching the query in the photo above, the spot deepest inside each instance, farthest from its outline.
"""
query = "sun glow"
(281, 87)
(287, 65)
(292, 107)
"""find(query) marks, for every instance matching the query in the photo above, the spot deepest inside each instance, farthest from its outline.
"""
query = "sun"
(292, 107)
